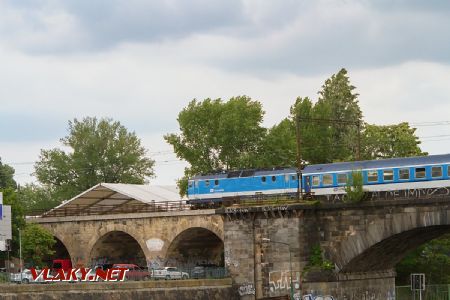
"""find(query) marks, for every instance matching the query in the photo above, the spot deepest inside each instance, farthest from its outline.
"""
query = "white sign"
(155, 244)
(5, 223)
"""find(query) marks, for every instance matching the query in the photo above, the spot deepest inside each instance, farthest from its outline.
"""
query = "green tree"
(432, 258)
(100, 151)
(7, 176)
(218, 135)
(337, 101)
(387, 141)
(279, 146)
(37, 244)
(36, 198)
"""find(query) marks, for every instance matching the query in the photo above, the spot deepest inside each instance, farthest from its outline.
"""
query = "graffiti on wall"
(228, 258)
(317, 297)
(281, 280)
(247, 289)
(399, 194)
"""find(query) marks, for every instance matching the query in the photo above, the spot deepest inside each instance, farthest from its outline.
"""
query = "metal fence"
(431, 292)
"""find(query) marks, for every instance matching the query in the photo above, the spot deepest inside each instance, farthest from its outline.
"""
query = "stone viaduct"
(151, 239)
(357, 245)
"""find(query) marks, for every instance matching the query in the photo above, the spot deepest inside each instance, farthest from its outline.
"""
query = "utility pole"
(20, 254)
(299, 159)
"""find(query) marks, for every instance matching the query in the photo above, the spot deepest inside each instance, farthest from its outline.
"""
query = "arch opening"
(117, 247)
(196, 246)
(60, 252)
(389, 252)
(431, 258)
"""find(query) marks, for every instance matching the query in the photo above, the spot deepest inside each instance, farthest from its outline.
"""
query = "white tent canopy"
(114, 198)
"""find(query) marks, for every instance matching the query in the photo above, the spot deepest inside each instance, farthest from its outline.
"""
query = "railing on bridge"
(79, 210)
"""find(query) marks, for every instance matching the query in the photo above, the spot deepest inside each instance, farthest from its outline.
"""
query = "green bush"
(354, 188)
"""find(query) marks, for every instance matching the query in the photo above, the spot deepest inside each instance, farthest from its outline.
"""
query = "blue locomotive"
(323, 179)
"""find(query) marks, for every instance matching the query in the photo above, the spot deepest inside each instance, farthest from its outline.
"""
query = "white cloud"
(272, 51)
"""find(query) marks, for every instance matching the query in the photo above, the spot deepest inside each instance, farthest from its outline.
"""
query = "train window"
(316, 180)
(274, 178)
(448, 171)
(403, 174)
(327, 179)
(372, 176)
(190, 183)
(436, 172)
(263, 179)
(216, 182)
(420, 173)
(388, 175)
(342, 178)
(286, 178)
(294, 177)
(206, 183)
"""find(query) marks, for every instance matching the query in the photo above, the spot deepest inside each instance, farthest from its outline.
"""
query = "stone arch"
(385, 242)
(63, 246)
(118, 231)
(193, 246)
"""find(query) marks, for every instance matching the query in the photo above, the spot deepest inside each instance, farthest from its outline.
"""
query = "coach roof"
(378, 164)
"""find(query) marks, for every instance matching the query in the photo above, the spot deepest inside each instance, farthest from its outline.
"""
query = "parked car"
(134, 271)
(25, 278)
(169, 273)
(204, 271)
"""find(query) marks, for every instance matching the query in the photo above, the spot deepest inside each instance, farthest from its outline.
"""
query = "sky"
(140, 62)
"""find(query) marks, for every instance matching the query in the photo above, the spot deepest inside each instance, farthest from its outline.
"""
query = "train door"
(307, 183)
(196, 188)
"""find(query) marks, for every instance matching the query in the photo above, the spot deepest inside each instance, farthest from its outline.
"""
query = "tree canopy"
(37, 244)
(219, 135)
(100, 151)
(387, 141)
(7, 176)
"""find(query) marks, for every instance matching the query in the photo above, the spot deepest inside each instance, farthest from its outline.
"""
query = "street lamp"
(266, 240)
(20, 254)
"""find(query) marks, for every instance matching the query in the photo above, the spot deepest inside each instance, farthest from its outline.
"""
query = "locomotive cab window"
(294, 177)
(342, 178)
(372, 176)
(216, 182)
(448, 171)
(420, 173)
(274, 178)
(327, 179)
(190, 183)
(316, 180)
(206, 183)
(388, 175)
(436, 172)
(403, 174)
(263, 179)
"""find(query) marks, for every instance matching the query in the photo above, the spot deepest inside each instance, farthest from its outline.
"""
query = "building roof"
(114, 198)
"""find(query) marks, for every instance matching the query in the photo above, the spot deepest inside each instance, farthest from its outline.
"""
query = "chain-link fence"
(431, 292)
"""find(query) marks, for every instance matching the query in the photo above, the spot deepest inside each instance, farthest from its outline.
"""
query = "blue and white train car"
(380, 175)
(324, 179)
